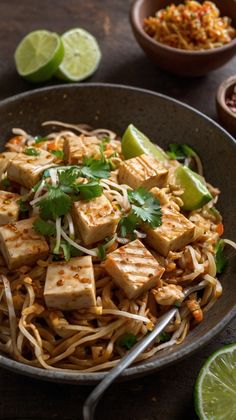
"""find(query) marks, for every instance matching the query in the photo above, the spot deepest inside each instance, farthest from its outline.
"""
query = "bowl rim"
(147, 366)
(220, 95)
(136, 23)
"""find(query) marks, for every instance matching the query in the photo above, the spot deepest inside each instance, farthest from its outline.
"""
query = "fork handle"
(94, 397)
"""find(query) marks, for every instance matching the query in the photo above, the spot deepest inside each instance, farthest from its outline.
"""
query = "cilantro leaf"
(150, 212)
(90, 190)
(145, 206)
(138, 196)
(40, 139)
(221, 261)
(128, 224)
(95, 169)
(58, 153)
(43, 227)
(24, 206)
(163, 337)
(5, 182)
(68, 176)
(56, 204)
(31, 151)
(101, 252)
(127, 340)
(180, 151)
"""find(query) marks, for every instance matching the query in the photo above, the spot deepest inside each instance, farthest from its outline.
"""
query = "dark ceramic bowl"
(164, 120)
(181, 62)
(226, 116)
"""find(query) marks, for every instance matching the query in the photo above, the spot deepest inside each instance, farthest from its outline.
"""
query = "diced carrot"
(52, 146)
(220, 229)
(16, 140)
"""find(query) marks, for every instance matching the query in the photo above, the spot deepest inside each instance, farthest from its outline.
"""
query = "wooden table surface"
(166, 395)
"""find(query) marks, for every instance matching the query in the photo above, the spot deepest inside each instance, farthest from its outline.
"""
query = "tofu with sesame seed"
(77, 148)
(21, 245)
(95, 219)
(175, 232)
(70, 285)
(9, 209)
(27, 170)
(134, 269)
(142, 171)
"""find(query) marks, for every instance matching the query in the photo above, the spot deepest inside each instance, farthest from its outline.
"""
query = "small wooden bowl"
(225, 115)
(175, 60)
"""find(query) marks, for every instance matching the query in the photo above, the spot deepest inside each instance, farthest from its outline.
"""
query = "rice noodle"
(88, 339)
(92, 252)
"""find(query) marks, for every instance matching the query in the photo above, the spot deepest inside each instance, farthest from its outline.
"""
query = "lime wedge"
(82, 55)
(38, 55)
(135, 143)
(215, 388)
(195, 193)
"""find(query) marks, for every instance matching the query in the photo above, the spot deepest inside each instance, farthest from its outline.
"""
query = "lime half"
(38, 55)
(135, 143)
(195, 193)
(215, 388)
(82, 55)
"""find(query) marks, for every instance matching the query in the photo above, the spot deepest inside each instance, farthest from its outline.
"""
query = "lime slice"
(195, 193)
(38, 55)
(135, 143)
(82, 55)
(215, 388)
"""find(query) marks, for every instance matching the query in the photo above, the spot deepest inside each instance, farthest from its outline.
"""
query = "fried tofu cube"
(134, 269)
(9, 209)
(95, 219)
(21, 245)
(175, 232)
(5, 159)
(77, 148)
(26, 170)
(70, 285)
(143, 171)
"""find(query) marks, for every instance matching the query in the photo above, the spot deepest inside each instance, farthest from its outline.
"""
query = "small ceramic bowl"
(226, 116)
(181, 62)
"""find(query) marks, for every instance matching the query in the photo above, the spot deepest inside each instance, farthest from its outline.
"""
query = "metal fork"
(92, 400)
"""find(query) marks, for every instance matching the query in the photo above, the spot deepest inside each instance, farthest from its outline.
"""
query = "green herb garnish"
(180, 151)
(43, 227)
(127, 340)
(58, 153)
(101, 252)
(5, 183)
(221, 261)
(95, 168)
(90, 190)
(55, 205)
(128, 224)
(40, 139)
(23, 205)
(163, 337)
(31, 151)
(145, 208)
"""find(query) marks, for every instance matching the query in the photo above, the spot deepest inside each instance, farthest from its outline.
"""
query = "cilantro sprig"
(95, 168)
(40, 139)
(145, 208)
(59, 199)
(221, 261)
(44, 228)
(31, 151)
(127, 341)
(180, 151)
